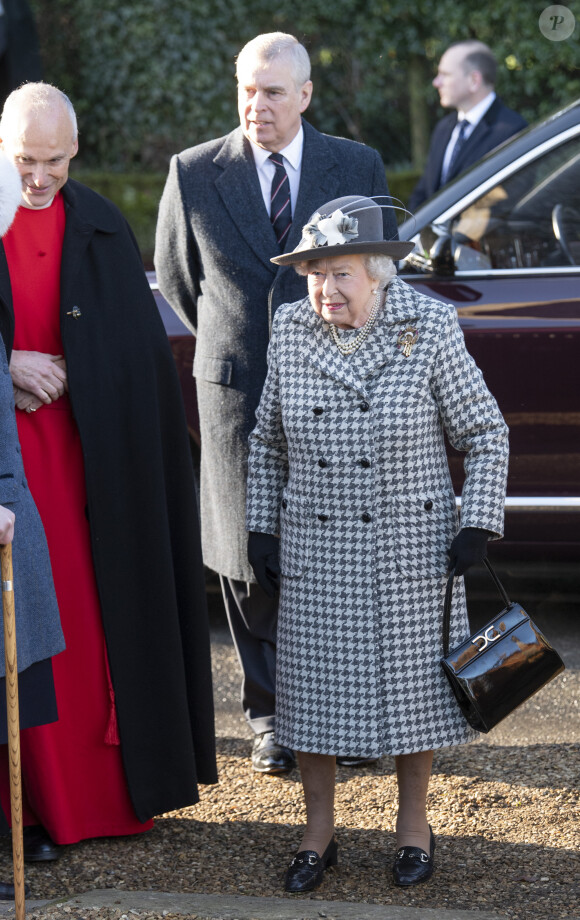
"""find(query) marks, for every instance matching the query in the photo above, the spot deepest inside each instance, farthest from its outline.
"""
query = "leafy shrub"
(151, 77)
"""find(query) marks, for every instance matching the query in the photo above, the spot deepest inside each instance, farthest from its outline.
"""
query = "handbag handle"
(448, 596)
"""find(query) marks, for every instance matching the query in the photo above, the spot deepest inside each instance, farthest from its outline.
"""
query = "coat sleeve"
(268, 461)
(176, 253)
(474, 424)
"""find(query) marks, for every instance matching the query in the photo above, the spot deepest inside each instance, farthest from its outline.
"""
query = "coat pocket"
(424, 525)
(295, 539)
(7, 489)
(214, 370)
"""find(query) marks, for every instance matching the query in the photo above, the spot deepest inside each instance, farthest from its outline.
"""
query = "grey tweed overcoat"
(213, 248)
(348, 465)
(38, 631)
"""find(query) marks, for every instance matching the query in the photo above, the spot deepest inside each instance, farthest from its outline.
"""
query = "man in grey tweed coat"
(214, 242)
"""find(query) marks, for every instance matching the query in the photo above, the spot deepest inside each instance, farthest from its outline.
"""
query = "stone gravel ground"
(506, 821)
(505, 812)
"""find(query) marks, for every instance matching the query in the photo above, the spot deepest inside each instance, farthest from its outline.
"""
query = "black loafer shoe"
(269, 757)
(38, 847)
(7, 891)
(355, 761)
(307, 868)
(412, 865)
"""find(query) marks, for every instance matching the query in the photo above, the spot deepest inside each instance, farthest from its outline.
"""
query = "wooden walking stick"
(13, 720)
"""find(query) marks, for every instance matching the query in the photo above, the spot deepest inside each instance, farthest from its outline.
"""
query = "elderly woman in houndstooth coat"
(351, 508)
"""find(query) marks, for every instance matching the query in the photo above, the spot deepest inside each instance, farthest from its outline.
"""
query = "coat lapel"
(77, 236)
(239, 188)
(446, 132)
(5, 288)
(319, 181)
(6, 307)
(322, 353)
(476, 139)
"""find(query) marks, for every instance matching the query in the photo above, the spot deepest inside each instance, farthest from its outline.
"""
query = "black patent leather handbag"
(501, 666)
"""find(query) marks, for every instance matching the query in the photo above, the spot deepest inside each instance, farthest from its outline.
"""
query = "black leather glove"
(264, 553)
(468, 548)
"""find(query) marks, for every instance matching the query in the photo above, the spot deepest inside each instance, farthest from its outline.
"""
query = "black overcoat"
(142, 505)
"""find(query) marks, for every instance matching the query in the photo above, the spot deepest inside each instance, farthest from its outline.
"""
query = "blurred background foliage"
(149, 78)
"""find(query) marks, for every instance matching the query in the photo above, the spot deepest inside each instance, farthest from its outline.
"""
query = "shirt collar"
(292, 153)
(476, 113)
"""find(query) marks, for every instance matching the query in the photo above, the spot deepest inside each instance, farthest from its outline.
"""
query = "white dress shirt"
(473, 116)
(292, 163)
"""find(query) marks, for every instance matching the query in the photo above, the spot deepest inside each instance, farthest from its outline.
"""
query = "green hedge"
(150, 77)
(138, 194)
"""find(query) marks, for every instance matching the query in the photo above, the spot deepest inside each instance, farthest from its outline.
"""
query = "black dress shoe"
(7, 891)
(38, 847)
(412, 865)
(355, 761)
(307, 868)
(269, 757)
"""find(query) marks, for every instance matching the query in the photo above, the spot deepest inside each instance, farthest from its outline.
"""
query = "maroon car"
(502, 243)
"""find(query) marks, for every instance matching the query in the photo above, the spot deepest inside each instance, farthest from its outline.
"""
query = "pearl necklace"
(354, 344)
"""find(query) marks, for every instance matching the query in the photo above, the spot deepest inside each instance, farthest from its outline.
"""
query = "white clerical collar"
(43, 207)
(476, 113)
(292, 153)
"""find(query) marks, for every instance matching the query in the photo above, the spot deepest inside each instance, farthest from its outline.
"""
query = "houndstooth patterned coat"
(348, 465)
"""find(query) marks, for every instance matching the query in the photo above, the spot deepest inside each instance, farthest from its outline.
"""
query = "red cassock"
(73, 775)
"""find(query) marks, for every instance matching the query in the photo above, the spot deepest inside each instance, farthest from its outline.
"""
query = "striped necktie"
(280, 209)
(459, 142)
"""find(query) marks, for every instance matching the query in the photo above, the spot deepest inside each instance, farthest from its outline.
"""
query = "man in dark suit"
(226, 210)
(465, 81)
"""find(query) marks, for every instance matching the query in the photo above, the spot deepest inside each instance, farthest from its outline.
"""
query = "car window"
(529, 220)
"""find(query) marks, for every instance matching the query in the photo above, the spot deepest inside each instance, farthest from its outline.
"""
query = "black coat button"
(284, 503)
(322, 463)
(322, 517)
(428, 505)
(364, 406)
(365, 463)
(366, 517)
(318, 410)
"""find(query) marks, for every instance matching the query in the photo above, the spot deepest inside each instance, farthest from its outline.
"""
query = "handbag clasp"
(486, 638)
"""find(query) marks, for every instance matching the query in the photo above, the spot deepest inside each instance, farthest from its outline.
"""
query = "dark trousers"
(253, 617)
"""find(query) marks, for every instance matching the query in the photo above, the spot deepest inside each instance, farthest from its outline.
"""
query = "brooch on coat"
(407, 340)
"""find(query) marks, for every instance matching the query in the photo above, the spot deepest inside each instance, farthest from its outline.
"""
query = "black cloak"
(142, 504)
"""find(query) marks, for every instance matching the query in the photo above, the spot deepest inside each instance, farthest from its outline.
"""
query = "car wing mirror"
(434, 252)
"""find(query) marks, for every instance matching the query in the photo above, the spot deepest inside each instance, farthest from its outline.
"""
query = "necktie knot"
(280, 206)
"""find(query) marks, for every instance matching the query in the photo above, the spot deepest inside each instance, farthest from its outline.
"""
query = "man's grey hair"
(40, 96)
(480, 57)
(379, 267)
(271, 45)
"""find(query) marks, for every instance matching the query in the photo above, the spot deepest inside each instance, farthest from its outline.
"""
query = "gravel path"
(506, 817)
